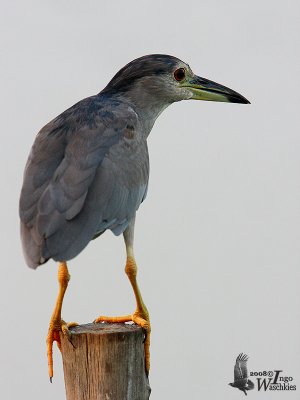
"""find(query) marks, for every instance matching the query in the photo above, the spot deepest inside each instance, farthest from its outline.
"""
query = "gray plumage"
(82, 179)
(88, 169)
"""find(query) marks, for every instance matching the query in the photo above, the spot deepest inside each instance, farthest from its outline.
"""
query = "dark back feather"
(87, 171)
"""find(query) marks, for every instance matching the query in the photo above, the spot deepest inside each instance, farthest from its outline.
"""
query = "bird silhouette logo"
(241, 380)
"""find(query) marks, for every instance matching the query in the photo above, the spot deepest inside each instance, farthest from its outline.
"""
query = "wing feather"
(83, 175)
(240, 368)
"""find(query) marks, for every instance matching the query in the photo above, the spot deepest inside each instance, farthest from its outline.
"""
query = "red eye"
(179, 74)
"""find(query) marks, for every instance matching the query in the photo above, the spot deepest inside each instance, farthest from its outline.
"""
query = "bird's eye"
(179, 74)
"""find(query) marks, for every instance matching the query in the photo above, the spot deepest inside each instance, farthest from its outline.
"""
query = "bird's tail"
(250, 385)
(31, 249)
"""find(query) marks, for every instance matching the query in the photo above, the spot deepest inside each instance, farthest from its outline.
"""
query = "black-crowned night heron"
(88, 172)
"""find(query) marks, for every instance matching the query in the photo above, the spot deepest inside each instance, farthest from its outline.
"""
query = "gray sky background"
(217, 240)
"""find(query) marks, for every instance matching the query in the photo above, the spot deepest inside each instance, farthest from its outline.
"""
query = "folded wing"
(85, 174)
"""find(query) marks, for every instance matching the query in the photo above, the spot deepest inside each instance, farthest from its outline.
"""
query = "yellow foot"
(140, 318)
(55, 327)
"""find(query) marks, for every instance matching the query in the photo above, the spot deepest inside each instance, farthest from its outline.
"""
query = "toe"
(113, 320)
(51, 337)
(66, 332)
(72, 324)
(141, 322)
(55, 328)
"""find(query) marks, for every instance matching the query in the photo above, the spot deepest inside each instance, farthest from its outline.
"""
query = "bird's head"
(153, 82)
(165, 79)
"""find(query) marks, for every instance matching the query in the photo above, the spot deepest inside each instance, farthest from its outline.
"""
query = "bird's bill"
(204, 89)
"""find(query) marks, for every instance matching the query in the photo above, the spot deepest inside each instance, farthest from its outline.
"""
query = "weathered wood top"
(105, 328)
(105, 362)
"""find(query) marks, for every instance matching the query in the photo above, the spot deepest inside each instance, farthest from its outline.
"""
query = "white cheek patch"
(187, 93)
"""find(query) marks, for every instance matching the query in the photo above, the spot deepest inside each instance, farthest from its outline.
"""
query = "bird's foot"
(55, 327)
(139, 317)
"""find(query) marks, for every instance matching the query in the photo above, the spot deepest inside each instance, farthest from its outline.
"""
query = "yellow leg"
(141, 315)
(56, 324)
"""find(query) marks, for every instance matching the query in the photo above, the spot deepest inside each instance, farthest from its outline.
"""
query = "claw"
(66, 331)
(55, 327)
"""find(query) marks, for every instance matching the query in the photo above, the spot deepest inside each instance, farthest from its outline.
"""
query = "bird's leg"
(56, 324)
(141, 315)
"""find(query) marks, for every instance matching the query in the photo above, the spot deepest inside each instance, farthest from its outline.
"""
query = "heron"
(88, 171)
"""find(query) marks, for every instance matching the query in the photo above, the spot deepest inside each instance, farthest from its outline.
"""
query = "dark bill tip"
(237, 99)
(204, 89)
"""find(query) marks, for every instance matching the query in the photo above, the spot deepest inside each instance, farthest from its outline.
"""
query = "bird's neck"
(146, 104)
(148, 115)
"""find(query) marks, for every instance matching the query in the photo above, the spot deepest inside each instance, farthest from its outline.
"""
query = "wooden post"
(106, 362)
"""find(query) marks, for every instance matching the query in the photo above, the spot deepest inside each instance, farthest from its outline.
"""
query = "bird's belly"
(120, 209)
